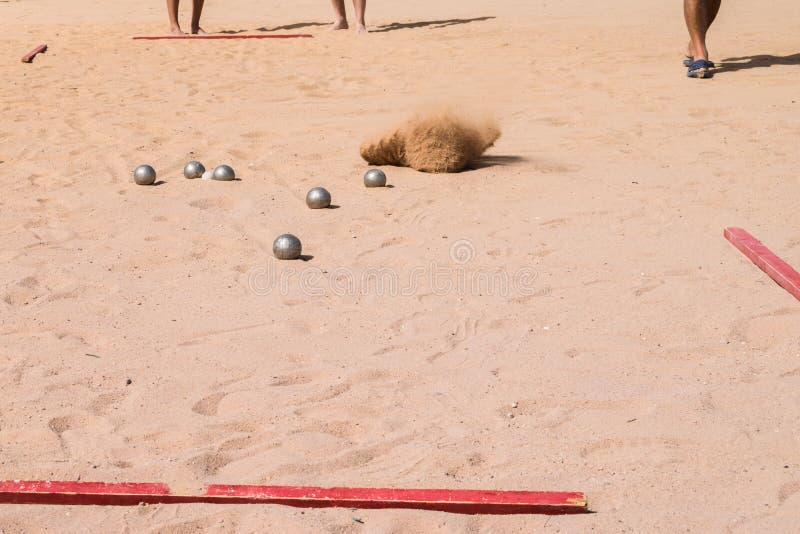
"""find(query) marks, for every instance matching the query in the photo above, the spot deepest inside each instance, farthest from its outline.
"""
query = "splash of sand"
(433, 141)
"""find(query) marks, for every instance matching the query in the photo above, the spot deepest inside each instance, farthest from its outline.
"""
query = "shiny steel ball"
(223, 173)
(207, 175)
(144, 175)
(193, 169)
(287, 247)
(375, 178)
(318, 198)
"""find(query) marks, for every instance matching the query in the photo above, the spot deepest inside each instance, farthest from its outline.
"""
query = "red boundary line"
(453, 501)
(194, 37)
(758, 253)
(27, 58)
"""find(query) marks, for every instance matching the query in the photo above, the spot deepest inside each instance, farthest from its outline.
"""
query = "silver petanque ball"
(223, 173)
(207, 175)
(144, 175)
(375, 178)
(287, 247)
(318, 198)
(193, 169)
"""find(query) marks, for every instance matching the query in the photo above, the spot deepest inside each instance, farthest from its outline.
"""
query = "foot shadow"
(264, 29)
(761, 61)
(295, 26)
(495, 161)
(434, 24)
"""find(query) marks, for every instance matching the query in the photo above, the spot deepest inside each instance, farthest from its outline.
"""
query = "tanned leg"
(699, 14)
(361, 7)
(341, 17)
(172, 9)
(197, 10)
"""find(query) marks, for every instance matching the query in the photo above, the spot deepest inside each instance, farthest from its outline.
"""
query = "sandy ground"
(652, 365)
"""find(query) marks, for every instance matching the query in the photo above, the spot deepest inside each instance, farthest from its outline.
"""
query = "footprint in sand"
(210, 203)
(101, 405)
(291, 380)
(23, 292)
(464, 330)
(59, 425)
(417, 213)
(208, 463)
(675, 446)
(209, 405)
(787, 490)
(358, 458)
(337, 390)
(340, 429)
(766, 329)
(392, 242)
(238, 444)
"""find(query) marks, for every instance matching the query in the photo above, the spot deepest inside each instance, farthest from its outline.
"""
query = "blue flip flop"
(700, 68)
(689, 60)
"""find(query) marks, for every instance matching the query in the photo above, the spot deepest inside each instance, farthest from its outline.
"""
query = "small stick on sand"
(27, 58)
(776, 268)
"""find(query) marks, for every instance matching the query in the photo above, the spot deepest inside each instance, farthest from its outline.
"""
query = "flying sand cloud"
(434, 141)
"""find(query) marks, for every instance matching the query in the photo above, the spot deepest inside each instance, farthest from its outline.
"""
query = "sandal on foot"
(690, 59)
(700, 69)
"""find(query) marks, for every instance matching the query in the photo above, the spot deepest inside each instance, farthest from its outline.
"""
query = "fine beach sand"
(652, 365)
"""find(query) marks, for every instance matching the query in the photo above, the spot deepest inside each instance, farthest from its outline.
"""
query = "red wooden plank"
(98, 493)
(27, 58)
(192, 37)
(776, 268)
(454, 501)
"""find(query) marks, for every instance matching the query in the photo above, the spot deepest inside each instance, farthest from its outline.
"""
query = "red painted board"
(776, 268)
(234, 36)
(98, 493)
(27, 58)
(454, 501)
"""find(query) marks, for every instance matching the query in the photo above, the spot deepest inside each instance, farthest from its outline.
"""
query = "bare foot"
(176, 30)
(198, 31)
(691, 53)
(361, 29)
(340, 25)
